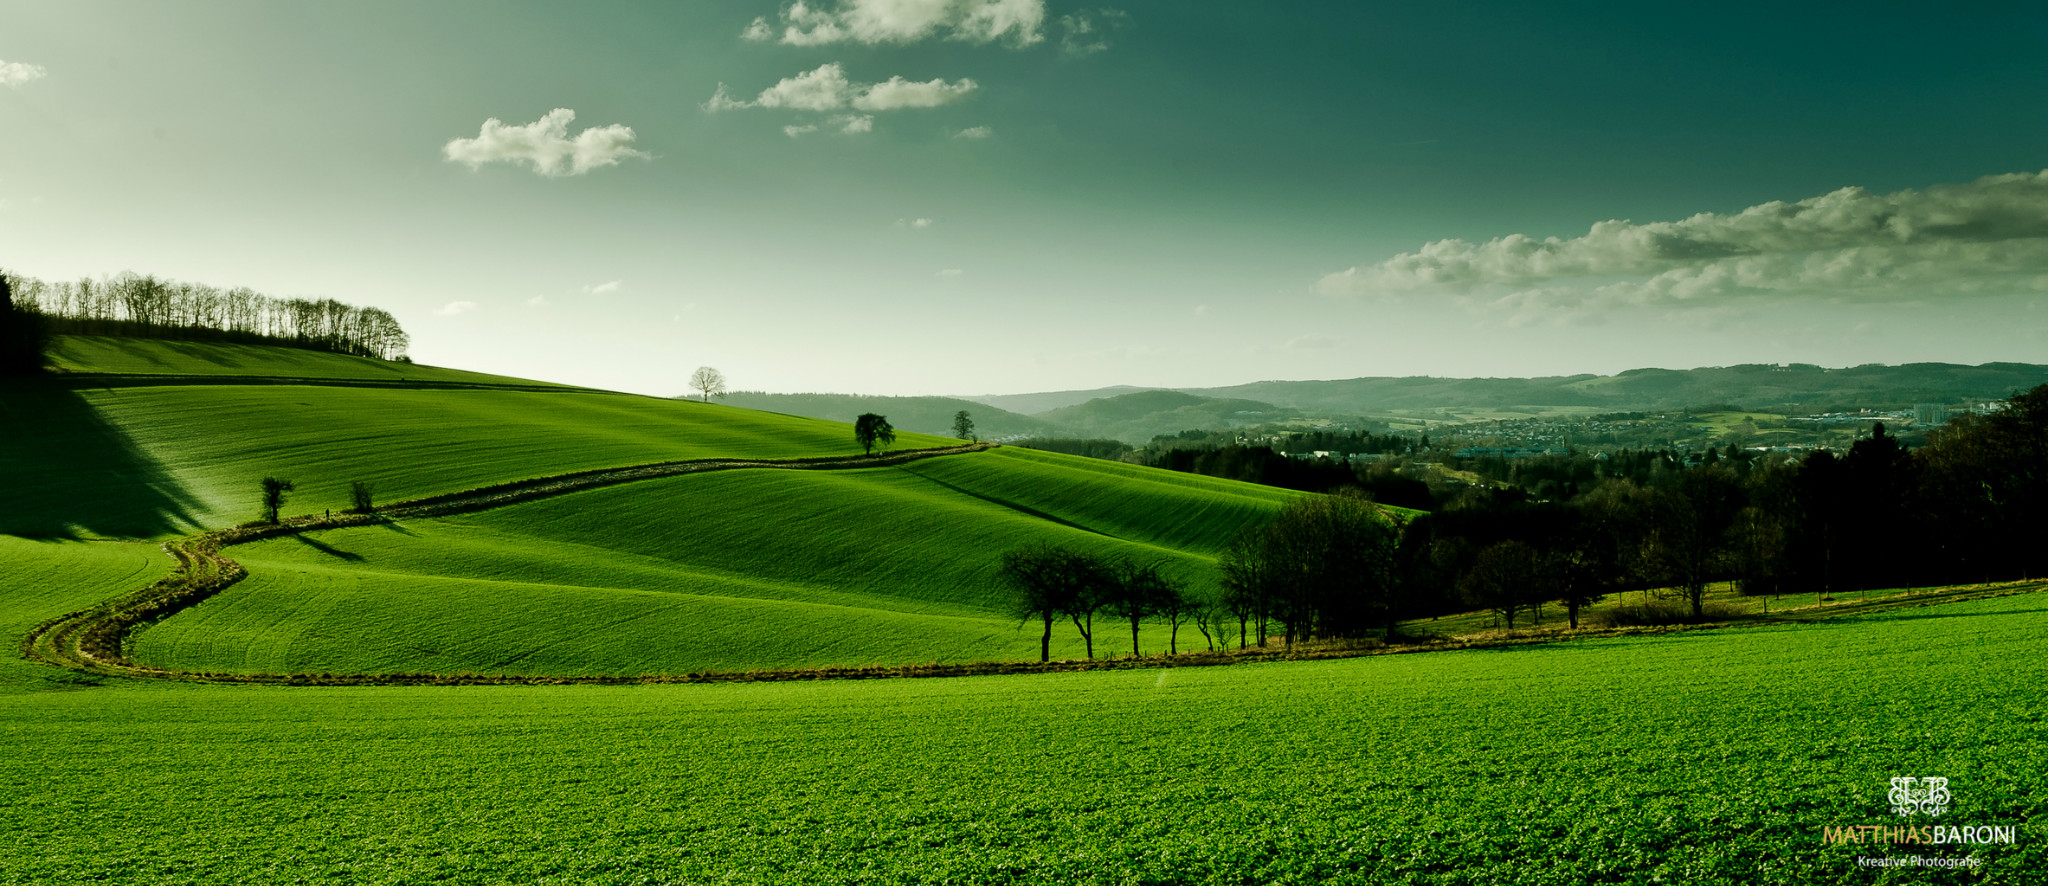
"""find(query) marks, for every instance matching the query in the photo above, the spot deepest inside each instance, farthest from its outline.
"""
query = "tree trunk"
(1134, 639)
(1045, 642)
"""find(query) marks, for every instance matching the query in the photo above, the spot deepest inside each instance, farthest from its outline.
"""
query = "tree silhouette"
(871, 429)
(274, 491)
(708, 382)
(21, 335)
(963, 426)
(363, 496)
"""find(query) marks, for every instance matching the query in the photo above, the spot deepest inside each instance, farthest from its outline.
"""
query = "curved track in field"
(94, 640)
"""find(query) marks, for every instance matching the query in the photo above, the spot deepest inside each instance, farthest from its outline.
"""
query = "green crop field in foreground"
(1704, 758)
(727, 571)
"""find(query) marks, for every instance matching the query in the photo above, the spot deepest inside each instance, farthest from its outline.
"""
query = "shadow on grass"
(66, 472)
(328, 549)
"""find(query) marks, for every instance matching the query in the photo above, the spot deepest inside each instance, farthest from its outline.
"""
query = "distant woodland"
(147, 306)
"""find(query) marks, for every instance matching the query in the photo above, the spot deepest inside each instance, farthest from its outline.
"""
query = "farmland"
(1703, 758)
(728, 571)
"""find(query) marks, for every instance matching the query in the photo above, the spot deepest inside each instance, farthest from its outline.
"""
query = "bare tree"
(708, 383)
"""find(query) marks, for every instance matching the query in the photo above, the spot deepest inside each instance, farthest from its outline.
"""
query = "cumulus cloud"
(904, 21)
(975, 132)
(17, 73)
(828, 89)
(546, 144)
(455, 307)
(798, 131)
(854, 124)
(896, 92)
(1989, 236)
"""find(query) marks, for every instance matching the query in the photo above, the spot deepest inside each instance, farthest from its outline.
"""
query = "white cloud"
(976, 132)
(18, 73)
(896, 92)
(538, 301)
(827, 89)
(546, 144)
(921, 223)
(854, 124)
(905, 21)
(1087, 33)
(1989, 236)
(455, 307)
(794, 131)
(602, 288)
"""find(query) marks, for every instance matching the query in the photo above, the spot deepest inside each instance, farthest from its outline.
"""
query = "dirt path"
(95, 639)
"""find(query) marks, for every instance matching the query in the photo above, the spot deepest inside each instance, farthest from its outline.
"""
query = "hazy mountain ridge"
(1756, 386)
(924, 415)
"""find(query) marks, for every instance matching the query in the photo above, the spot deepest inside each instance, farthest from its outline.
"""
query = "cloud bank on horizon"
(1984, 238)
(545, 143)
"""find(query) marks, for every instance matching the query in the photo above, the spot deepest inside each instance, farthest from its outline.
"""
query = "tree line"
(1970, 506)
(147, 306)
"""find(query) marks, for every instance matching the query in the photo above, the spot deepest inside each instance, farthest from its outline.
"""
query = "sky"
(1001, 196)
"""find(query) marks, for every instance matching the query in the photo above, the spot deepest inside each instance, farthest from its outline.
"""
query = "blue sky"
(986, 196)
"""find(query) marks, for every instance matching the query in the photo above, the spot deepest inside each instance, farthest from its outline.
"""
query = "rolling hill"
(1618, 759)
(733, 570)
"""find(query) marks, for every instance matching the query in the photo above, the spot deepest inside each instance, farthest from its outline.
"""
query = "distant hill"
(1756, 386)
(1137, 418)
(1033, 404)
(924, 415)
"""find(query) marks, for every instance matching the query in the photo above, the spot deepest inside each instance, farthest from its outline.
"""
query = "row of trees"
(1970, 506)
(146, 306)
(1051, 583)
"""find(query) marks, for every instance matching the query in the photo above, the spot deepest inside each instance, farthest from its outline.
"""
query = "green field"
(728, 571)
(152, 461)
(1713, 757)
(114, 356)
(1708, 758)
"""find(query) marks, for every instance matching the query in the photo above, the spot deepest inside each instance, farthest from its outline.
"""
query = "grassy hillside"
(738, 570)
(109, 355)
(729, 571)
(1708, 758)
(41, 579)
(925, 415)
(150, 461)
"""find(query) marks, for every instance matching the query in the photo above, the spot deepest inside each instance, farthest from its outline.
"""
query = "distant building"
(1930, 414)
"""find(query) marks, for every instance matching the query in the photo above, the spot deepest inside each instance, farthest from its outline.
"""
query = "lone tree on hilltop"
(708, 383)
(274, 491)
(963, 427)
(871, 429)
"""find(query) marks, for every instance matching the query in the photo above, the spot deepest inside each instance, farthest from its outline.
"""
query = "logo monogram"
(1912, 795)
